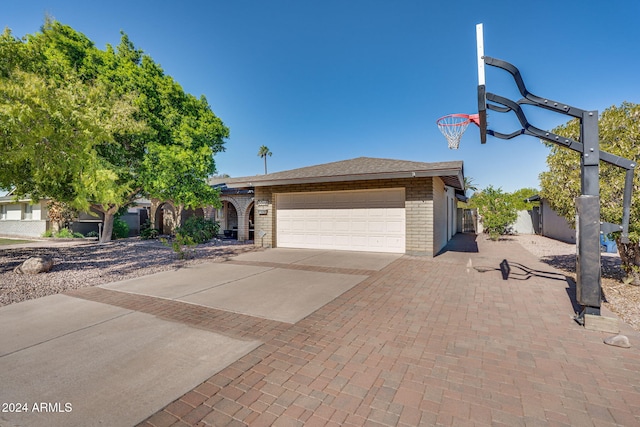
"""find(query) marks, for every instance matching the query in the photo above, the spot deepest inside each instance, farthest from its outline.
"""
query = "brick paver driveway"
(429, 342)
(423, 342)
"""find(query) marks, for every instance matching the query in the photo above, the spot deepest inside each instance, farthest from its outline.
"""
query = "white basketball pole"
(480, 48)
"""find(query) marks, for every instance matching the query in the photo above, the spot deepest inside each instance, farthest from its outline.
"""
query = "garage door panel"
(326, 227)
(376, 227)
(370, 220)
(342, 226)
(341, 213)
(359, 227)
(394, 213)
(395, 227)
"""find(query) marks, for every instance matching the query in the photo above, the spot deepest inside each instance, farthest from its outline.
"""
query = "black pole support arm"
(508, 105)
(548, 104)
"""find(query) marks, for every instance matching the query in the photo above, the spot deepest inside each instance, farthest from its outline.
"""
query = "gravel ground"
(622, 299)
(83, 264)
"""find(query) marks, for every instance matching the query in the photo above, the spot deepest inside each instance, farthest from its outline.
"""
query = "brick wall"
(263, 223)
(439, 215)
(419, 214)
(418, 205)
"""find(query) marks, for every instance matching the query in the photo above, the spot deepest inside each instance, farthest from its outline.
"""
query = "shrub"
(149, 233)
(120, 229)
(64, 233)
(146, 232)
(48, 233)
(199, 229)
(78, 235)
(183, 246)
(497, 210)
(92, 234)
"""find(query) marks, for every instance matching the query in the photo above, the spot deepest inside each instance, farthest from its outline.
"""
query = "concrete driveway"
(277, 286)
(68, 360)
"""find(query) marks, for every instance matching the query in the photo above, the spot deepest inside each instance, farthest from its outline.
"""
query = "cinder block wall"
(418, 205)
(23, 228)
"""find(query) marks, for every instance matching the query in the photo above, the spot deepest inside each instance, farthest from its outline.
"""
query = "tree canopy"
(619, 131)
(84, 126)
(496, 208)
(518, 198)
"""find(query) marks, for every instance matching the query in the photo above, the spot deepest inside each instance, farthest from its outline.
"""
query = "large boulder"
(35, 265)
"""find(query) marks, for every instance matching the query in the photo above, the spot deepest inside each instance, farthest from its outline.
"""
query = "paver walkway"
(421, 342)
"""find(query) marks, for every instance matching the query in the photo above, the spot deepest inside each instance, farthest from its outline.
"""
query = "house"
(25, 218)
(362, 204)
(22, 218)
(549, 223)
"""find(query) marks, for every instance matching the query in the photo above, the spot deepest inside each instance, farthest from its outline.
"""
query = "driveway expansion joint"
(303, 267)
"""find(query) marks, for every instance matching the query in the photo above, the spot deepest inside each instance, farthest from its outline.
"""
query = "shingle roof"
(361, 168)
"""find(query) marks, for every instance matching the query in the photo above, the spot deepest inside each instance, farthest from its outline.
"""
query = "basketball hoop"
(453, 126)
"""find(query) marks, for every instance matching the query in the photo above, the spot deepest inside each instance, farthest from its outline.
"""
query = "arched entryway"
(251, 222)
(236, 216)
(164, 218)
(230, 223)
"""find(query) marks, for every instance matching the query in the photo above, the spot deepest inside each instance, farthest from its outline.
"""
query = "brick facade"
(243, 204)
(419, 209)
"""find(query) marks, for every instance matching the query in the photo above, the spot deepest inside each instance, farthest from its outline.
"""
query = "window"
(3, 212)
(28, 211)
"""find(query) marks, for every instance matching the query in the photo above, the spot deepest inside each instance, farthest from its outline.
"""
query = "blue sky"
(321, 81)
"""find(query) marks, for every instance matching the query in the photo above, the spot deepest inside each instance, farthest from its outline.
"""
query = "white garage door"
(368, 220)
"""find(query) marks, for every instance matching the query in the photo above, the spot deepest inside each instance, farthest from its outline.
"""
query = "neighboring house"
(362, 204)
(21, 218)
(528, 222)
(24, 218)
(548, 223)
(554, 226)
(92, 221)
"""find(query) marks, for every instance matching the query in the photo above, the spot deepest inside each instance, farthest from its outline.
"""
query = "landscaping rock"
(35, 265)
(618, 341)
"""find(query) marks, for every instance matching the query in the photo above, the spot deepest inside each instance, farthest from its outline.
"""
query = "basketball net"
(453, 126)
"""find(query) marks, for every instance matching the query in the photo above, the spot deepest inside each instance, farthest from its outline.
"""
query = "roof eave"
(259, 181)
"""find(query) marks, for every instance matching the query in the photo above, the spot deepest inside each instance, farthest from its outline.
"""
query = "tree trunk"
(177, 219)
(630, 258)
(107, 228)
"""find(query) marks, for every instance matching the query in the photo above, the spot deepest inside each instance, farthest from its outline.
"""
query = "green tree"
(179, 175)
(264, 152)
(496, 209)
(128, 107)
(49, 133)
(619, 129)
(469, 185)
(55, 119)
(518, 198)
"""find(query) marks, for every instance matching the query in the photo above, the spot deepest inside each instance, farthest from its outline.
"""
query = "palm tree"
(469, 185)
(264, 152)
